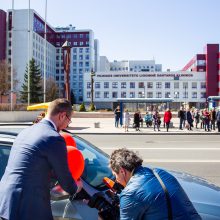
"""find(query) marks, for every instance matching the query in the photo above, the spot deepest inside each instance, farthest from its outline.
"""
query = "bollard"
(97, 124)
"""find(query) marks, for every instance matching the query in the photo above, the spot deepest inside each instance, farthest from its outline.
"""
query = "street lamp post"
(175, 97)
(66, 63)
(92, 87)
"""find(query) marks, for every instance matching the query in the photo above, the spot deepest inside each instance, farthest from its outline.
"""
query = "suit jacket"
(24, 187)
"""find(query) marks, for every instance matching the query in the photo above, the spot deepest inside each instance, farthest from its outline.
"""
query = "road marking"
(179, 161)
(164, 148)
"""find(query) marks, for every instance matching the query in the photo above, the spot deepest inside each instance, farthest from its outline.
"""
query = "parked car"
(204, 195)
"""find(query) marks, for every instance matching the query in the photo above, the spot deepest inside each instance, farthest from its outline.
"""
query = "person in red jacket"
(167, 118)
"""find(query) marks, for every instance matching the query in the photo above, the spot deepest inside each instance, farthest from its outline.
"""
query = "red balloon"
(75, 162)
(68, 139)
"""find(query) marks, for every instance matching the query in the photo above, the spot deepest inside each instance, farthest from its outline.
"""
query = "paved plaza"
(106, 125)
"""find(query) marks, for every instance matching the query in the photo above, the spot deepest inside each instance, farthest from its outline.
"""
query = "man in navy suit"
(37, 150)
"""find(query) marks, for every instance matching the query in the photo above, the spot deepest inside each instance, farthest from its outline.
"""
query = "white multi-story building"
(20, 46)
(84, 51)
(129, 65)
(183, 87)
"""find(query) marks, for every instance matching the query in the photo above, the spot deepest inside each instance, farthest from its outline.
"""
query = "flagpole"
(12, 37)
(45, 49)
(29, 52)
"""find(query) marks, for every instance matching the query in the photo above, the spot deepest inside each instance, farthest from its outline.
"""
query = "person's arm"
(129, 208)
(57, 157)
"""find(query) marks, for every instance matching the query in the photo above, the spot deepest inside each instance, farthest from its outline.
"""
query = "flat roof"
(145, 100)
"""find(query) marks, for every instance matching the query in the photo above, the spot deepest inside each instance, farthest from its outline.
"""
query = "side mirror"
(57, 193)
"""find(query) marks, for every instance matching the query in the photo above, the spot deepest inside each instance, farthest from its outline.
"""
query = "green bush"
(92, 107)
(82, 108)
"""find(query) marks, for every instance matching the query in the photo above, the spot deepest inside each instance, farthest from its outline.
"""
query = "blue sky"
(170, 31)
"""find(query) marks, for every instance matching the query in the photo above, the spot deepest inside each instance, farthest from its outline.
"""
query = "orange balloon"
(68, 139)
(75, 162)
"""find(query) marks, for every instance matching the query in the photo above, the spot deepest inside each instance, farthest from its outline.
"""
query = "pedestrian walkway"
(106, 126)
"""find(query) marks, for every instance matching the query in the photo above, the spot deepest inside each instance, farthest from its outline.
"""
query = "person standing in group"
(182, 117)
(197, 117)
(117, 116)
(126, 120)
(167, 117)
(189, 119)
(148, 119)
(149, 193)
(207, 119)
(157, 121)
(202, 119)
(218, 119)
(137, 120)
(38, 151)
(213, 118)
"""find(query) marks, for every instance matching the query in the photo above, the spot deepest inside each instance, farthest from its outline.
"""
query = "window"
(74, 50)
(176, 85)
(114, 95)
(158, 95)
(123, 94)
(106, 95)
(80, 50)
(106, 85)
(75, 43)
(81, 57)
(87, 64)
(115, 85)
(203, 95)
(150, 85)
(185, 85)
(149, 94)
(132, 85)
(74, 64)
(81, 43)
(203, 85)
(81, 36)
(140, 94)
(185, 95)
(88, 95)
(123, 85)
(97, 85)
(167, 85)
(158, 86)
(167, 94)
(97, 95)
(176, 95)
(132, 94)
(194, 85)
(194, 95)
(141, 85)
(87, 50)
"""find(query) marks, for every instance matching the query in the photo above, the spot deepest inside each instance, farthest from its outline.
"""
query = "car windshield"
(4, 155)
(96, 164)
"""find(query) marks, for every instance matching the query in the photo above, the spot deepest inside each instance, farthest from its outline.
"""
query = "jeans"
(181, 123)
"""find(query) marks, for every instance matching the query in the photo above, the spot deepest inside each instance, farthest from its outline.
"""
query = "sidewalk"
(87, 126)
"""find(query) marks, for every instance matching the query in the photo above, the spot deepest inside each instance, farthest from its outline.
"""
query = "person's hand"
(79, 185)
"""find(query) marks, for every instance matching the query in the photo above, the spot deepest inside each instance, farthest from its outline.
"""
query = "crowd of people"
(188, 119)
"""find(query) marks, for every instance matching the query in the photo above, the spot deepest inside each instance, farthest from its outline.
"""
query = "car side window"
(4, 155)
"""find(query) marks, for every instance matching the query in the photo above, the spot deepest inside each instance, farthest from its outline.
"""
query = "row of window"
(106, 94)
(74, 50)
(150, 85)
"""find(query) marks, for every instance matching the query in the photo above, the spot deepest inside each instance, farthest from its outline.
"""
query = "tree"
(51, 89)
(82, 107)
(5, 78)
(36, 91)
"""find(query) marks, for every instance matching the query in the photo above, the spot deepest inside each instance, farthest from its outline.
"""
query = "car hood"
(204, 195)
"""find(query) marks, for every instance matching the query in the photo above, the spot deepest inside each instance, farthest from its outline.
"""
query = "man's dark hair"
(124, 158)
(60, 105)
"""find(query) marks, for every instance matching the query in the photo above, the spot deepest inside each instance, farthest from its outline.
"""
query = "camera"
(107, 202)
